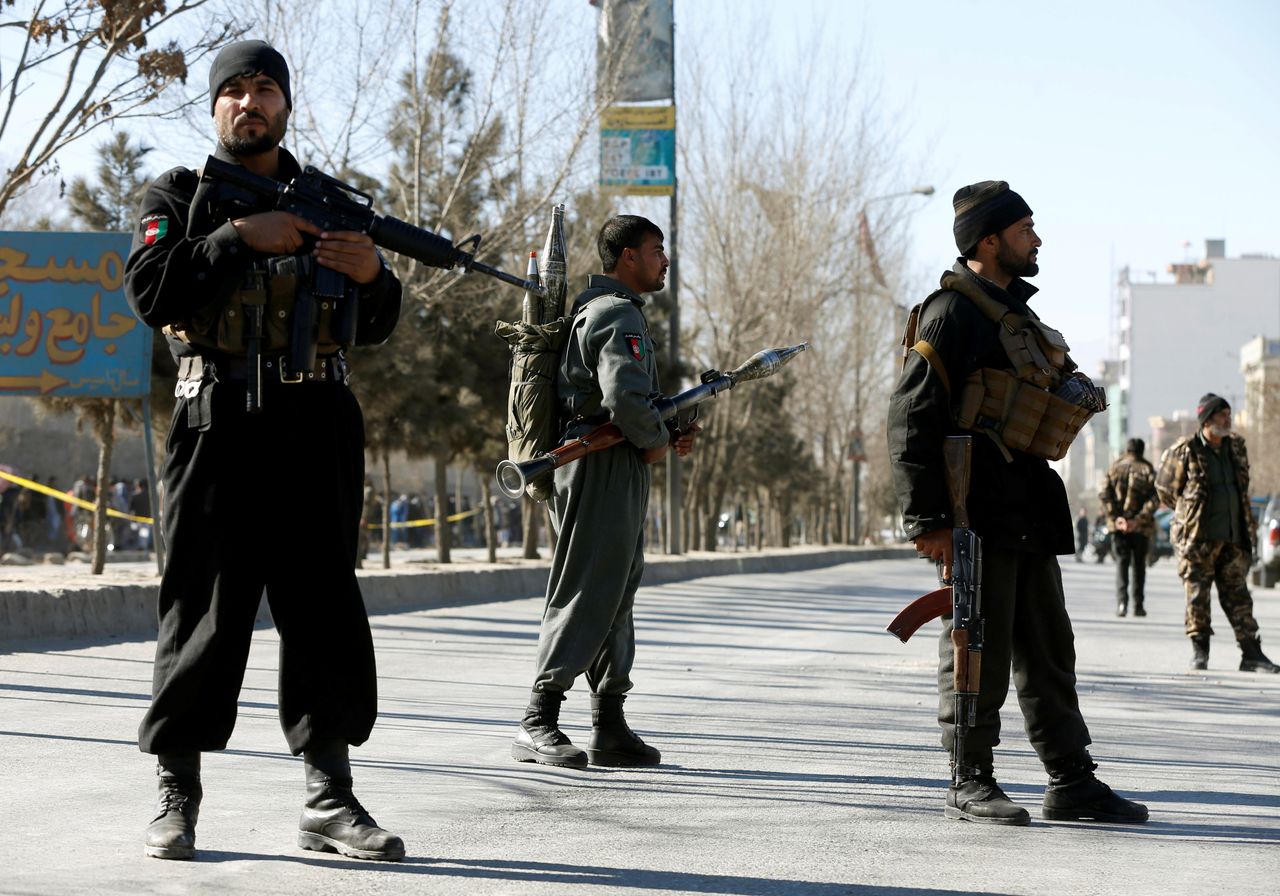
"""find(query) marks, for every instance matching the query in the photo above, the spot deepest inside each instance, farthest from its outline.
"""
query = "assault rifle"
(333, 205)
(961, 595)
(512, 477)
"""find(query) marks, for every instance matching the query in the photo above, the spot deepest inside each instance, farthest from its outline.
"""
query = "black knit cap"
(985, 208)
(1209, 405)
(248, 57)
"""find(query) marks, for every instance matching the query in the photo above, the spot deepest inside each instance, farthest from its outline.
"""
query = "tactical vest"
(1014, 407)
(273, 284)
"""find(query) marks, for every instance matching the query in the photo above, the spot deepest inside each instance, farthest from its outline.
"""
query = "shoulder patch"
(154, 227)
(635, 343)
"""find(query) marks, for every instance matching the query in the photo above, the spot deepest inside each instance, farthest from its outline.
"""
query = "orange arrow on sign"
(45, 383)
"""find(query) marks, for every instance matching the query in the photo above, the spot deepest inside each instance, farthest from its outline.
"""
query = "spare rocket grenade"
(532, 301)
(552, 267)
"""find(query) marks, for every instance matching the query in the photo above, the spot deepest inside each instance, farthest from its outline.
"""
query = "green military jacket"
(1129, 491)
(1183, 484)
(609, 370)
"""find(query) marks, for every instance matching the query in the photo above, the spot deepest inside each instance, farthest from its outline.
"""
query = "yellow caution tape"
(67, 498)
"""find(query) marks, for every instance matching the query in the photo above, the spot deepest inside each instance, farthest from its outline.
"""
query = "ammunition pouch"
(273, 284)
(1019, 415)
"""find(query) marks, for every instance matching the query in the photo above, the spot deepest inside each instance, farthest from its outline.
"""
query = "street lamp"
(856, 449)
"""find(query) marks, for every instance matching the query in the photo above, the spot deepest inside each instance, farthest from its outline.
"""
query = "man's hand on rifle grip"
(682, 439)
(936, 545)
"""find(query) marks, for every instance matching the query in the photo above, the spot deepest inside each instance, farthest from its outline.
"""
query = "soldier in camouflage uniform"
(1129, 500)
(1205, 478)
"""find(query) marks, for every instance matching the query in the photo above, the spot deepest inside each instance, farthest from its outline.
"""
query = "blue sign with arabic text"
(65, 327)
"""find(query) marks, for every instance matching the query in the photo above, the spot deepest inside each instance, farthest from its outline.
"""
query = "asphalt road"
(800, 757)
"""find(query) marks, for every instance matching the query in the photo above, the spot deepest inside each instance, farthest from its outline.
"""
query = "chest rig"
(287, 309)
(1016, 406)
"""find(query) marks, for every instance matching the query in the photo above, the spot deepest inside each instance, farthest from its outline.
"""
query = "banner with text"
(638, 150)
(65, 327)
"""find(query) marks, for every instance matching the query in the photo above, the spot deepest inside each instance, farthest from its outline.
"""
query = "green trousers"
(598, 510)
(1026, 630)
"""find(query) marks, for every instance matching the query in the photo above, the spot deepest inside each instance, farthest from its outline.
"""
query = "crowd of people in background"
(34, 524)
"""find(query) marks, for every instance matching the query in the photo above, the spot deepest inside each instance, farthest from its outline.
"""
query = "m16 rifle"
(513, 477)
(961, 595)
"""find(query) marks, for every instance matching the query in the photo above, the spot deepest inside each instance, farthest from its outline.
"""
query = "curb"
(32, 619)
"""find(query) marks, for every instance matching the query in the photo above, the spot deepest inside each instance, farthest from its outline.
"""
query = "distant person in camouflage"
(1129, 500)
(1205, 478)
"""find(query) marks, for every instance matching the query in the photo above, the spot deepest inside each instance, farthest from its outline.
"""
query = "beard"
(1016, 265)
(252, 146)
(1219, 432)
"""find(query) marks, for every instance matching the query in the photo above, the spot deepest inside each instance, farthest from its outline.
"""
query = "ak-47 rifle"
(961, 595)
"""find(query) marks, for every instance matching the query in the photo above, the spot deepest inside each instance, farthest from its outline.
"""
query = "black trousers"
(1131, 554)
(1027, 630)
(268, 501)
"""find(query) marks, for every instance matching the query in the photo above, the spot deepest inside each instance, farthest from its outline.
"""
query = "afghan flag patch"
(154, 227)
(636, 344)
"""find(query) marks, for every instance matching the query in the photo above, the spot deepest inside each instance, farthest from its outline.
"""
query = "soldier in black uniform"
(266, 496)
(1018, 506)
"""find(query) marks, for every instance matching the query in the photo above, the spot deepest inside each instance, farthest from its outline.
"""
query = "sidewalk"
(800, 757)
(45, 603)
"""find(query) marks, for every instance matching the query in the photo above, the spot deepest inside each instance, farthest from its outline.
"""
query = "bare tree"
(106, 62)
(773, 186)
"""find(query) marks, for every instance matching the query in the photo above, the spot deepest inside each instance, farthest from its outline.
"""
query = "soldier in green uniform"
(608, 372)
(1205, 479)
(1128, 497)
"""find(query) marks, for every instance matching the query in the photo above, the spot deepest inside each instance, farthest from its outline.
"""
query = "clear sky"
(1131, 127)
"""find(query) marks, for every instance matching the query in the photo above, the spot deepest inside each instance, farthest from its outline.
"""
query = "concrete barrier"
(34, 618)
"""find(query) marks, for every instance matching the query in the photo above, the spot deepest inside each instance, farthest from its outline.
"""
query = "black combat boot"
(1137, 608)
(172, 834)
(333, 819)
(1122, 607)
(1075, 794)
(977, 797)
(1199, 651)
(1252, 659)
(612, 740)
(540, 738)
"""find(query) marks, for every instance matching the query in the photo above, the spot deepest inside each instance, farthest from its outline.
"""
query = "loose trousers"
(1027, 630)
(598, 510)
(267, 501)
(1131, 554)
(1205, 564)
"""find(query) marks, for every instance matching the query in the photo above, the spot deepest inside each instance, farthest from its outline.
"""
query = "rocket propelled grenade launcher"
(513, 477)
(333, 205)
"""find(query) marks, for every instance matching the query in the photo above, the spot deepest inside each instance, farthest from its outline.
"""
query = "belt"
(327, 369)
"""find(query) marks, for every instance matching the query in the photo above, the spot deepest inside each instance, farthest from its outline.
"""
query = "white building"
(1178, 340)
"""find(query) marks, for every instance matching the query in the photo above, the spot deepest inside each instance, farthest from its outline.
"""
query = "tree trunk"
(490, 526)
(529, 513)
(551, 529)
(443, 526)
(104, 426)
(386, 509)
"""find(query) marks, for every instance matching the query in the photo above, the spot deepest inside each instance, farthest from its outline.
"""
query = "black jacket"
(1020, 505)
(186, 256)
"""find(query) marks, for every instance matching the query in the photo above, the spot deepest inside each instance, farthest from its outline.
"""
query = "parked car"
(1266, 558)
(1161, 545)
